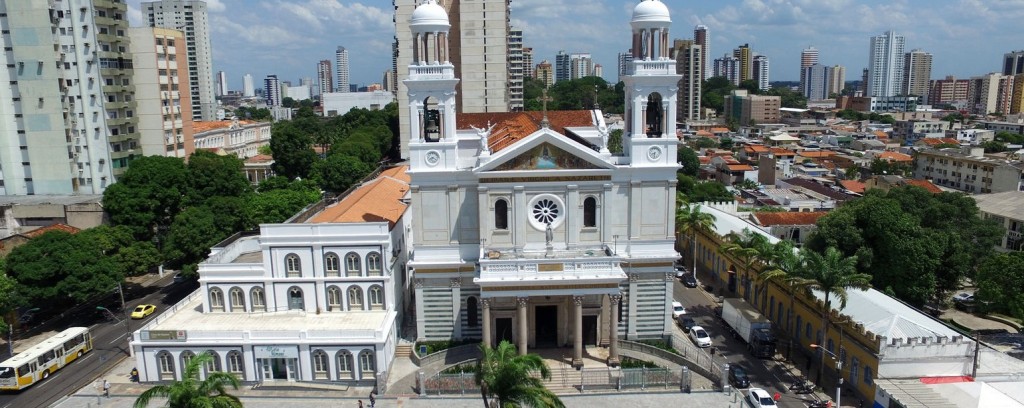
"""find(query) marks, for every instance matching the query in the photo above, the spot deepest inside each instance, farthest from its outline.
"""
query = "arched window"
(367, 364)
(501, 214)
(295, 301)
(344, 365)
(237, 299)
(214, 364)
(292, 266)
(187, 356)
(352, 264)
(333, 299)
(355, 298)
(235, 365)
(165, 362)
(654, 123)
(373, 264)
(259, 301)
(332, 265)
(376, 295)
(320, 365)
(590, 212)
(216, 300)
(471, 312)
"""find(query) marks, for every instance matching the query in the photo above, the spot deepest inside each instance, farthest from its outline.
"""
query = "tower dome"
(429, 17)
(651, 14)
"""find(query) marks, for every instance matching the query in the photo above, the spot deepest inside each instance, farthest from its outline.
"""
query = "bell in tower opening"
(655, 116)
(431, 121)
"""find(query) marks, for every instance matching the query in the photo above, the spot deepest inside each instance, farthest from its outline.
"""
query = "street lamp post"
(839, 368)
(124, 312)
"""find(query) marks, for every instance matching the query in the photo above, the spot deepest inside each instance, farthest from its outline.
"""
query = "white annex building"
(531, 231)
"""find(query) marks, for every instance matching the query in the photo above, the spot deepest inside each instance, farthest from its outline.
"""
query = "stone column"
(456, 285)
(420, 310)
(486, 303)
(577, 340)
(522, 336)
(613, 327)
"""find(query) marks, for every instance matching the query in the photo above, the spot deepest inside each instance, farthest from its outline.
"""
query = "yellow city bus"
(37, 363)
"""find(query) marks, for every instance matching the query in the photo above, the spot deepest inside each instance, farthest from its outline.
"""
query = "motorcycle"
(821, 404)
(802, 387)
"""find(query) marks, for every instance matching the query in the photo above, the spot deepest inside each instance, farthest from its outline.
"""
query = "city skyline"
(251, 36)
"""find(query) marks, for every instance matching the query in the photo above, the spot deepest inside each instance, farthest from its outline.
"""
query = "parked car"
(700, 337)
(677, 310)
(27, 317)
(963, 297)
(179, 277)
(142, 311)
(689, 281)
(738, 376)
(759, 398)
(686, 322)
(680, 270)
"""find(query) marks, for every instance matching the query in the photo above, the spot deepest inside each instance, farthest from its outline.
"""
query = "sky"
(289, 37)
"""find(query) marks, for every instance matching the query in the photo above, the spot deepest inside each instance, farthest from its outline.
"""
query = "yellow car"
(142, 311)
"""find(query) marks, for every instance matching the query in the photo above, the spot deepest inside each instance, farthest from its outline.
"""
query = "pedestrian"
(106, 388)
(373, 401)
(360, 403)
(135, 374)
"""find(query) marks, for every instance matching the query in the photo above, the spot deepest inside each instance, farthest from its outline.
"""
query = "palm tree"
(753, 251)
(690, 220)
(506, 377)
(832, 273)
(190, 392)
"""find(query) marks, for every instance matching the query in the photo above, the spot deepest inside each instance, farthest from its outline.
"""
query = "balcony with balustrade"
(543, 271)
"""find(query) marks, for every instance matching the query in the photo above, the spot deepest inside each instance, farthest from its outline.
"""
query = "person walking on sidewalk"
(106, 388)
(373, 401)
(360, 403)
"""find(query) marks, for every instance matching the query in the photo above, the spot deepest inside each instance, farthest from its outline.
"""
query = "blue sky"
(288, 37)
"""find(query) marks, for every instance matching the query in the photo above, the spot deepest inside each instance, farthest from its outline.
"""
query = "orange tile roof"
(740, 167)
(755, 148)
(378, 200)
(260, 158)
(511, 127)
(934, 141)
(881, 135)
(704, 133)
(853, 185)
(815, 154)
(720, 130)
(925, 184)
(55, 227)
(896, 157)
(704, 159)
(768, 219)
(205, 126)
(778, 151)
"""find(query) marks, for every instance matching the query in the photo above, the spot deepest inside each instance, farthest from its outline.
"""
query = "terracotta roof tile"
(260, 158)
(377, 200)
(814, 154)
(740, 167)
(778, 151)
(768, 219)
(205, 126)
(55, 227)
(756, 148)
(880, 134)
(720, 130)
(896, 157)
(925, 184)
(853, 185)
(704, 133)
(511, 127)
(934, 141)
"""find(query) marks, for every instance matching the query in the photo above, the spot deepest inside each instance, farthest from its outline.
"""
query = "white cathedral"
(530, 230)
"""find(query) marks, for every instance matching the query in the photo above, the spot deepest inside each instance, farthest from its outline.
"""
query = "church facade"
(524, 226)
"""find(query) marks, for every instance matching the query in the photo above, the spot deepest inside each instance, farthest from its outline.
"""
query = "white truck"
(749, 325)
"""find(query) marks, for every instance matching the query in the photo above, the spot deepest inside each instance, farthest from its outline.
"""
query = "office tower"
(1013, 63)
(625, 62)
(341, 65)
(272, 90)
(983, 93)
(746, 60)
(581, 65)
(885, 65)
(816, 82)
(948, 91)
(700, 37)
(563, 67)
(527, 62)
(808, 57)
(1017, 98)
(190, 17)
(386, 82)
(545, 73)
(324, 77)
(760, 68)
(222, 83)
(164, 107)
(306, 81)
(598, 70)
(748, 109)
(728, 67)
(837, 80)
(248, 89)
(515, 70)
(688, 64)
(917, 71)
(475, 41)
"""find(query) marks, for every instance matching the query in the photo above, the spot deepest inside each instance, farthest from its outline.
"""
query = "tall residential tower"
(917, 71)
(341, 65)
(190, 17)
(885, 65)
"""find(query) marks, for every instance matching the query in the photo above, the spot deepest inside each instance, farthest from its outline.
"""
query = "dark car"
(689, 281)
(738, 377)
(179, 277)
(686, 322)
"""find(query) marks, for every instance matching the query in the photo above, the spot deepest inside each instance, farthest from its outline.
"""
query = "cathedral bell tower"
(651, 89)
(431, 90)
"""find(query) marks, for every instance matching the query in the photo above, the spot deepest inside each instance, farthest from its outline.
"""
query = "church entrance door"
(589, 330)
(546, 326)
(503, 330)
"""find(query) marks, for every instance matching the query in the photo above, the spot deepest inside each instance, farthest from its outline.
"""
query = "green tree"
(190, 392)
(253, 113)
(9, 300)
(507, 378)
(789, 98)
(339, 172)
(725, 143)
(713, 92)
(1001, 284)
(288, 102)
(133, 257)
(706, 142)
(615, 141)
(191, 236)
(882, 167)
(210, 175)
(293, 150)
(1009, 137)
(276, 206)
(690, 220)
(689, 160)
(993, 146)
(148, 195)
(61, 269)
(708, 191)
(751, 250)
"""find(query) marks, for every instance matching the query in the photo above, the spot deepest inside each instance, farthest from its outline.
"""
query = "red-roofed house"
(794, 226)
(9, 243)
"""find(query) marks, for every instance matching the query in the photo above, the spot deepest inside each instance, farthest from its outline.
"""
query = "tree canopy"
(62, 269)
(1001, 284)
(576, 94)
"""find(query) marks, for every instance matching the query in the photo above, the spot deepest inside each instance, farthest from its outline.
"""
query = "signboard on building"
(165, 335)
(276, 351)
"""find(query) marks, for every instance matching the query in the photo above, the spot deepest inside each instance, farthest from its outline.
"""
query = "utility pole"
(977, 350)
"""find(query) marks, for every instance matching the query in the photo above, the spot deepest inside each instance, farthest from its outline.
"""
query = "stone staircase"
(562, 379)
(403, 350)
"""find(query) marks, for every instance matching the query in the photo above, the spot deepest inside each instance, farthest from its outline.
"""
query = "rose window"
(545, 211)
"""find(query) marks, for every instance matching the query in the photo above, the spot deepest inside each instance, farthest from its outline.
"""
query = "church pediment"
(545, 151)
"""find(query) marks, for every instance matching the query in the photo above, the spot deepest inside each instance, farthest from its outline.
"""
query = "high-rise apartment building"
(476, 45)
(748, 109)
(190, 17)
(248, 88)
(986, 93)
(688, 64)
(700, 37)
(222, 83)
(581, 65)
(625, 62)
(816, 82)
(808, 57)
(386, 83)
(598, 70)
(516, 70)
(760, 66)
(324, 77)
(885, 65)
(1017, 96)
(563, 67)
(746, 60)
(272, 90)
(948, 91)
(341, 65)
(917, 71)
(729, 67)
(528, 62)
(1013, 63)
(164, 106)
(545, 73)
(837, 80)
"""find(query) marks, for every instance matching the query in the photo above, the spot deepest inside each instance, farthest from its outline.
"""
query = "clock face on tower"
(432, 158)
(654, 153)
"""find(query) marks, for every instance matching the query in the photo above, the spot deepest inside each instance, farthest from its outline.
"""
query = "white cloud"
(215, 6)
